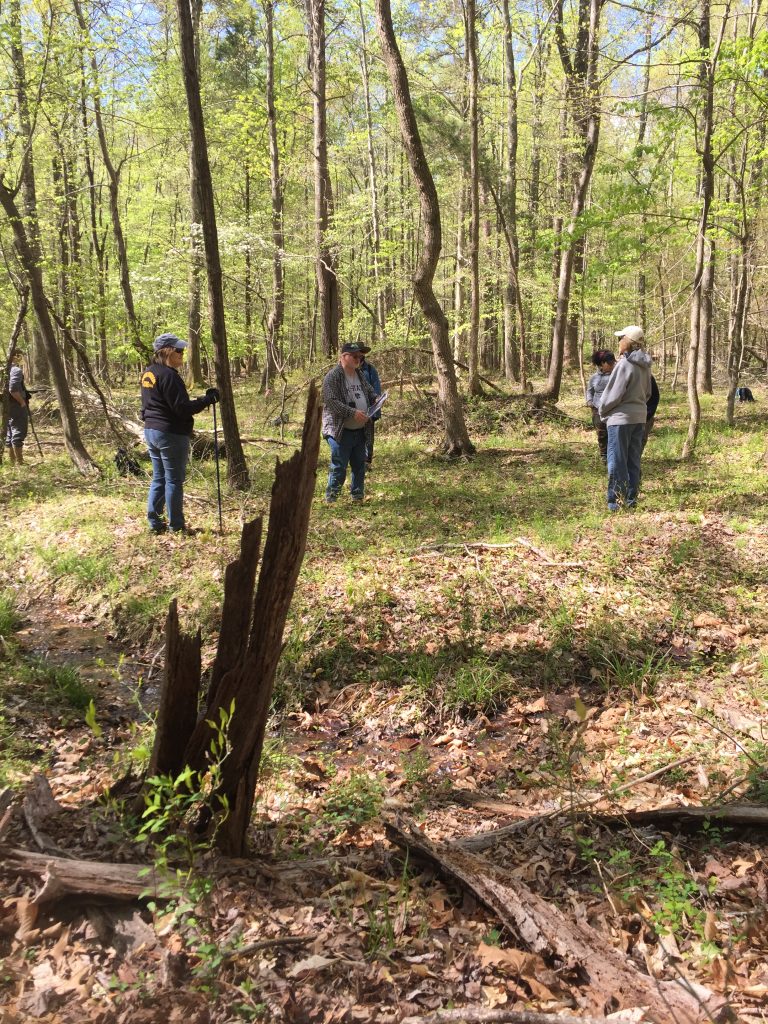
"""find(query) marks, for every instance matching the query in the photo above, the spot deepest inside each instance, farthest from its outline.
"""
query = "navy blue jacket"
(165, 401)
(371, 374)
(653, 401)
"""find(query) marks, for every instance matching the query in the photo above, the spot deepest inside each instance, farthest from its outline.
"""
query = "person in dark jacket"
(650, 410)
(18, 411)
(371, 374)
(167, 412)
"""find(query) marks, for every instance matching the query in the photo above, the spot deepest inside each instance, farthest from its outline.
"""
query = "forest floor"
(478, 645)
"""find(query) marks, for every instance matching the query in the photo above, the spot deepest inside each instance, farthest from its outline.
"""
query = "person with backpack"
(18, 411)
(370, 373)
(624, 409)
(650, 410)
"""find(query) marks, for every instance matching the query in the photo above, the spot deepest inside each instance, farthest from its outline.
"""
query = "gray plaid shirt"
(336, 406)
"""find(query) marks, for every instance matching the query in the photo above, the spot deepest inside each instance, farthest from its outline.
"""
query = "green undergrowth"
(395, 596)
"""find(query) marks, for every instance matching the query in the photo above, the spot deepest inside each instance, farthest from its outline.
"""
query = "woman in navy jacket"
(167, 412)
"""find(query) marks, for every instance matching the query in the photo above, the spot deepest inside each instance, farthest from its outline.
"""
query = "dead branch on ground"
(612, 979)
(64, 877)
(483, 840)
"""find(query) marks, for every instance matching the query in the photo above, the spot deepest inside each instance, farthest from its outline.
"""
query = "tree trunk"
(113, 175)
(541, 64)
(97, 239)
(456, 440)
(373, 184)
(514, 360)
(459, 331)
(11, 351)
(470, 35)
(706, 350)
(326, 265)
(274, 359)
(583, 93)
(177, 714)
(26, 233)
(237, 470)
(746, 175)
(707, 85)
(196, 254)
(70, 246)
(642, 277)
(572, 332)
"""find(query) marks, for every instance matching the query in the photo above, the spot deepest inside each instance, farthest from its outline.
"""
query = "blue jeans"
(625, 446)
(348, 451)
(18, 424)
(169, 454)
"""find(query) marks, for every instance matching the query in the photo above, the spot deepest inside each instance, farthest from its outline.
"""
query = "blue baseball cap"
(169, 341)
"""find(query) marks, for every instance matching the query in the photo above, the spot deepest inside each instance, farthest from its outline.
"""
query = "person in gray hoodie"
(605, 361)
(623, 408)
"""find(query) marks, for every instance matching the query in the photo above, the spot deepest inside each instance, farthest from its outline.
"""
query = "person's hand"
(213, 396)
(360, 417)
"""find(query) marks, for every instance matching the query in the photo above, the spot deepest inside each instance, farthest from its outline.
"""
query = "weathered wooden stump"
(250, 643)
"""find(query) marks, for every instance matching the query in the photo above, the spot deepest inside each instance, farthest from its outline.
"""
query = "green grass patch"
(10, 620)
(61, 684)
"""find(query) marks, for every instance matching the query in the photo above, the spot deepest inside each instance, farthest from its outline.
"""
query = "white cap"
(632, 333)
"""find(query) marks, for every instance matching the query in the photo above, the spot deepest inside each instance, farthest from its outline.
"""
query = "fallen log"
(63, 877)
(613, 981)
(730, 815)
(580, 808)
(500, 1015)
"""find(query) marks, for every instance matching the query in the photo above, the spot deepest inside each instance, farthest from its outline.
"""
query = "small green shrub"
(474, 687)
(354, 800)
(415, 766)
(757, 772)
(634, 673)
(62, 682)
(10, 621)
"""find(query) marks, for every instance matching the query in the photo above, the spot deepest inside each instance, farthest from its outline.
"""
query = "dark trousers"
(602, 434)
(648, 429)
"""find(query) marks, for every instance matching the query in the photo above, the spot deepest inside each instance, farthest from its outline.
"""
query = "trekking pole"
(34, 432)
(216, 457)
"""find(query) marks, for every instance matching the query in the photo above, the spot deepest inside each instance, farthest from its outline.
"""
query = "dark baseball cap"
(168, 341)
(355, 347)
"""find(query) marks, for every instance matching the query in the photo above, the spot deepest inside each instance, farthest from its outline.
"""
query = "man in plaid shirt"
(347, 396)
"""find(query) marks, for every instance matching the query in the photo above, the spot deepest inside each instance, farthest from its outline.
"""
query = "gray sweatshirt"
(596, 385)
(628, 390)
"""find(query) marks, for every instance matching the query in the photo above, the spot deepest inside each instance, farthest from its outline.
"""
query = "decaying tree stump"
(177, 714)
(250, 642)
